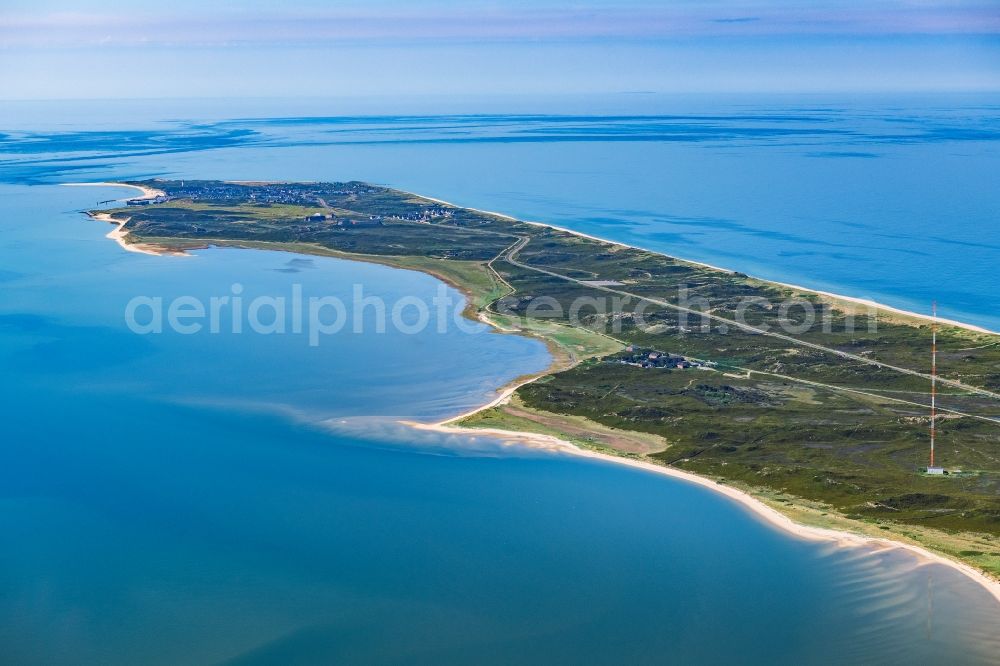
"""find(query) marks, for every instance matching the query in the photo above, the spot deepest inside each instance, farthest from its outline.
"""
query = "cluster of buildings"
(313, 195)
(651, 358)
(147, 202)
(266, 193)
(424, 214)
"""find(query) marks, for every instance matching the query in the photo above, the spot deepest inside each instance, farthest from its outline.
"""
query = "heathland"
(817, 406)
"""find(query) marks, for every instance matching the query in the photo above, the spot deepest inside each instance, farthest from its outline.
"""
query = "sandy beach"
(147, 192)
(535, 440)
(150, 193)
(758, 508)
(119, 234)
(868, 303)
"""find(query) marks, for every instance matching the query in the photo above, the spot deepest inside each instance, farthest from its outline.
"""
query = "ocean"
(222, 497)
(888, 198)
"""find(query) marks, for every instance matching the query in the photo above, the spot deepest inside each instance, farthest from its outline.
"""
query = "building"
(146, 201)
(650, 358)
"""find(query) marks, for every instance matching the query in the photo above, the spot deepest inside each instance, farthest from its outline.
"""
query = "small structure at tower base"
(935, 470)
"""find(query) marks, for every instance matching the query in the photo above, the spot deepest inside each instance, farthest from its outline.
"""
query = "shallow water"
(178, 498)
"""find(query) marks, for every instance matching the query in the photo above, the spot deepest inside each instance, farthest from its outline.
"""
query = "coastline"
(761, 510)
(149, 193)
(756, 506)
(857, 300)
(118, 234)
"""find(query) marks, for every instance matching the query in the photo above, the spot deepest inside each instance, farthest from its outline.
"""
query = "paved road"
(510, 256)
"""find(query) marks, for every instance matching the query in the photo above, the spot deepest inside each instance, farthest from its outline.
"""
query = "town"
(297, 194)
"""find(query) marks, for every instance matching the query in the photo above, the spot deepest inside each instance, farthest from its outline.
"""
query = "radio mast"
(932, 469)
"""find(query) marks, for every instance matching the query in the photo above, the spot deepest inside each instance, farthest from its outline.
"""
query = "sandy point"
(147, 192)
(119, 235)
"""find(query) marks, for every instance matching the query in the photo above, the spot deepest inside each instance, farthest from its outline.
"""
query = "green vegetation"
(823, 415)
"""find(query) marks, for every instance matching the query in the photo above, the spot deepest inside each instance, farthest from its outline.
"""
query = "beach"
(147, 192)
(759, 508)
(150, 193)
(118, 234)
(857, 300)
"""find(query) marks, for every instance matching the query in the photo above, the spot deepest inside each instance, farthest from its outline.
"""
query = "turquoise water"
(183, 498)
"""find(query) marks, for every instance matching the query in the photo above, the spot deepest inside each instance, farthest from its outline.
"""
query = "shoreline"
(759, 509)
(147, 192)
(858, 300)
(150, 193)
(118, 234)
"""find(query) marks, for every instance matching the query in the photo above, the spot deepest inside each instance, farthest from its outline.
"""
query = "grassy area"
(834, 415)
(516, 416)
(575, 343)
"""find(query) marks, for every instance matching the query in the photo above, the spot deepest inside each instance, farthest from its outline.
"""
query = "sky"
(60, 49)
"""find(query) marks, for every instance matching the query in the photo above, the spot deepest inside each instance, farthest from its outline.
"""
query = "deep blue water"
(893, 199)
(182, 499)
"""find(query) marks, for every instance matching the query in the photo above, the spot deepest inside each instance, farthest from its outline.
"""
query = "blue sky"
(86, 48)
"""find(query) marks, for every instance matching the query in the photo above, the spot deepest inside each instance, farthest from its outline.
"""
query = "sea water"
(171, 498)
(888, 198)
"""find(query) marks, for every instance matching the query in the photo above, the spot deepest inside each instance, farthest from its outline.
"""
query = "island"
(814, 405)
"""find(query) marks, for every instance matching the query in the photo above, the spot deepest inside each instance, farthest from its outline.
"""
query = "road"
(510, 256)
